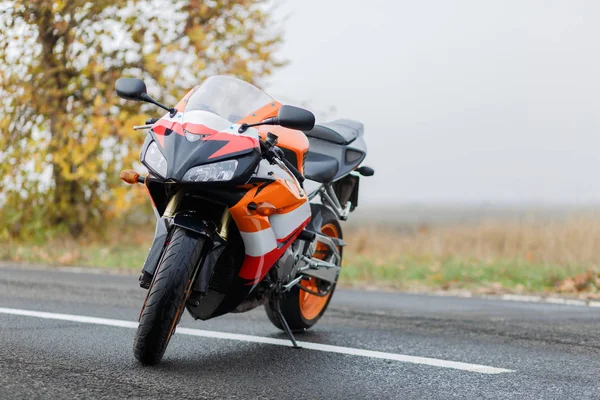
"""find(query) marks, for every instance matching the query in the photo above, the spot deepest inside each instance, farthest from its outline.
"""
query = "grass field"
(488, 256)
(485, 255)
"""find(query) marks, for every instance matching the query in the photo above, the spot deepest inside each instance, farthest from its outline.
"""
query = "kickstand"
(284, 323)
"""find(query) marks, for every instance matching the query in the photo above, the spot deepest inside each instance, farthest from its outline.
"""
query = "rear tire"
(293, 309)
(166, 297)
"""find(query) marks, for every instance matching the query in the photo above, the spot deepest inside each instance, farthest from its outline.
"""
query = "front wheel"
(301, 309)
(166, 297)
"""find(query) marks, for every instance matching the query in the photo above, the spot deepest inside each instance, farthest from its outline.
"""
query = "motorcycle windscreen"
(230, 98)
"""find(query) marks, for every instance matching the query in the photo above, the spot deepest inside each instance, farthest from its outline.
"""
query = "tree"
(64, 134)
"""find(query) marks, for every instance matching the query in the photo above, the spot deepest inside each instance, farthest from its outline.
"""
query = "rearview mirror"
(131, 89)
(135, 89)
(295, 118)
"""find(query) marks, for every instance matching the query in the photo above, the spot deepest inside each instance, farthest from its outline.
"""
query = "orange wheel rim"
(311, 305)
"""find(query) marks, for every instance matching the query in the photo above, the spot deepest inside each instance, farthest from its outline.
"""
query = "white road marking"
(483, 369)
(521, 298)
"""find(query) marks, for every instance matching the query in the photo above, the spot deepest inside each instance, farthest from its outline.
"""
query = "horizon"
(462, 102)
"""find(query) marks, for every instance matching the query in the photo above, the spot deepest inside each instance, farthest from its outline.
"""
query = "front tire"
(300, 309)
(166, 297)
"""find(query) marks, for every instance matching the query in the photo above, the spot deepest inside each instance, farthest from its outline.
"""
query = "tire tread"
(165, 296)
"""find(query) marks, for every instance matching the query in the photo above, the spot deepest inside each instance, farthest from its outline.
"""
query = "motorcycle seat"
(320, 167)
(341, 131)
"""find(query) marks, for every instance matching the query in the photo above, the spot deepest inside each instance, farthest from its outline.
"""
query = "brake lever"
(271, 153)
(281, 156)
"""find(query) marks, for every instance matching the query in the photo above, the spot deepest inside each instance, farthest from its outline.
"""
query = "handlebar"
(148, 125)
(290, 166)
(270, 152)
(138, 127)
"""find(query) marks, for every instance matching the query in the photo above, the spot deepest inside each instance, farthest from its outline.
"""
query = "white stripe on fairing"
(234, 130)
(250, 132)
(212, 121)
(284, 224)
(434, 362)
(176, 118)
(259, 243)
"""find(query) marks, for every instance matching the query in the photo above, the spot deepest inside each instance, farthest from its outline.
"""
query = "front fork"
(156, 250)
(163, 227)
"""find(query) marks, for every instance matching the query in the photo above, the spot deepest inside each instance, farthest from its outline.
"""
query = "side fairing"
(266, 238)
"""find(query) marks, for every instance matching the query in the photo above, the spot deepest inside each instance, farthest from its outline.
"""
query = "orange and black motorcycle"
(248, 195)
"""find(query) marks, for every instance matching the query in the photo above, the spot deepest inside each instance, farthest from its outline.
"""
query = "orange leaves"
(587, 282)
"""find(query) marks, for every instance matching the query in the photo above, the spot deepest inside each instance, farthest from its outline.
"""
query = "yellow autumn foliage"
(64, 134)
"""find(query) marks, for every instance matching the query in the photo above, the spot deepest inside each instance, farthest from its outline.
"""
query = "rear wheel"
(166, 297)
(301, 309)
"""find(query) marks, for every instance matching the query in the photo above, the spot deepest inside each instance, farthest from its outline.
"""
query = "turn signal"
(129, 176)
(265, 209)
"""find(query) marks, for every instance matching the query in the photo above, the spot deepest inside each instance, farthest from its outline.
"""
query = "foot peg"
(307, 235)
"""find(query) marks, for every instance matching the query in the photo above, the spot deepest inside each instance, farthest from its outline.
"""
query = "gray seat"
(320, 167)
(341, 131)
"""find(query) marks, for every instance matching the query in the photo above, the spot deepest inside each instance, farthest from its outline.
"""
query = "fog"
(462, 101)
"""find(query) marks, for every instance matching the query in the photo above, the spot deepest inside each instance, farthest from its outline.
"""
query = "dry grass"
(492, 255)
(495, 255)
(574, 241)
(122, 247)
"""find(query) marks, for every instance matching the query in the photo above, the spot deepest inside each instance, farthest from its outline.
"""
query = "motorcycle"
(248, 195)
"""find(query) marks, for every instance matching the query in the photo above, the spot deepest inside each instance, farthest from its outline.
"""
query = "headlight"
(155, 160)
(219, 171)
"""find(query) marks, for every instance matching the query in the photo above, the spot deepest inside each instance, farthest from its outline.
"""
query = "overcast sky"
(463, 101)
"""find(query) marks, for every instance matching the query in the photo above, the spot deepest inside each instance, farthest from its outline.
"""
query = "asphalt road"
(553, 350)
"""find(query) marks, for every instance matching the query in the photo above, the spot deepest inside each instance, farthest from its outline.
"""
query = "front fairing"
(198, 138)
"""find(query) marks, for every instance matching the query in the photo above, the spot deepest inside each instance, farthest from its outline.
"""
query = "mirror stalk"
(289, 117)
(269, 121)
(172, 111)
